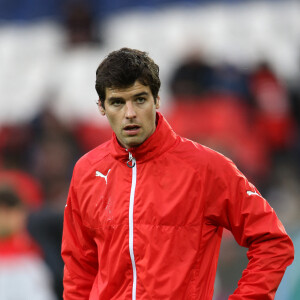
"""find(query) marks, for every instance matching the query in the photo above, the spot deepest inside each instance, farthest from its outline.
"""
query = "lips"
(132, 129)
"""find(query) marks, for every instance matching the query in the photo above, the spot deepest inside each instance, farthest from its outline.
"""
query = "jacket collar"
(160, 141)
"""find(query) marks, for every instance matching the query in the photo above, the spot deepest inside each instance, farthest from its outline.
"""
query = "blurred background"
(230, 75)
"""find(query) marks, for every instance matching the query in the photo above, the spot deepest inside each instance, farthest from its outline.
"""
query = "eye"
(117, 102)
(140, 100)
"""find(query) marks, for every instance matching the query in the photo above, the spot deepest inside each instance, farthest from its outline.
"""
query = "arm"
(79, 252)
(254, 225)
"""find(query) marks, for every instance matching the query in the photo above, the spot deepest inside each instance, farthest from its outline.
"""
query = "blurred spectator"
(193, 77)
(47, 149)
(229, 80)
(80, 23)
(45, 226)
(53, 153)
(274, 118)
(294, 95)
(14, 141)
(295, 101)
(25, 186)
(23, 273)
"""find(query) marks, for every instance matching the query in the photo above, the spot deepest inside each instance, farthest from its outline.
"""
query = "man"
(146, 210)
(23, 272)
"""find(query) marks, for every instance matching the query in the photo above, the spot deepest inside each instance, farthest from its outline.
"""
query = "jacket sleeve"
(79, 252)
(236, 204)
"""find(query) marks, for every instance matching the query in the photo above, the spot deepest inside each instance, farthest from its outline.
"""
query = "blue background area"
(30, 10)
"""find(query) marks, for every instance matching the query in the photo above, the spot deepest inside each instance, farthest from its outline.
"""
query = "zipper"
(132, 164)
(131, 161)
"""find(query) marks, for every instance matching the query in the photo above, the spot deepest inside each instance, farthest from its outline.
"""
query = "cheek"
(115, 122)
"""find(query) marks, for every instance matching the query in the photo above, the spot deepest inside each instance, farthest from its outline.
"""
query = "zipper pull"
(131, 161)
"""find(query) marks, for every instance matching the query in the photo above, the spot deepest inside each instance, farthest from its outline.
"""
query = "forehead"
(126, 92)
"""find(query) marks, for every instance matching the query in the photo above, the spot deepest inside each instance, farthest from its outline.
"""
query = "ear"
(157, 104)
(101, 109)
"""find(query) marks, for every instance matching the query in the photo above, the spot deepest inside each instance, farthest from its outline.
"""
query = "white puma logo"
(99, 174)
(250, 193)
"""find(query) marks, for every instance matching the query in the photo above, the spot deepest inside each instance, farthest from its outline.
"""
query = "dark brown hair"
(8, 198)
(123, 67)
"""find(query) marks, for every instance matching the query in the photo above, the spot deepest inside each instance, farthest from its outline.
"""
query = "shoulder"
(196, 152)
(204, 160)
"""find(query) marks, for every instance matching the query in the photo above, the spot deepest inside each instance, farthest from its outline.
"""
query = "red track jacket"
(146, 223)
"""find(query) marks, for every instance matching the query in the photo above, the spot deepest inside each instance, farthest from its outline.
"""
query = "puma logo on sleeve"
(250, 193)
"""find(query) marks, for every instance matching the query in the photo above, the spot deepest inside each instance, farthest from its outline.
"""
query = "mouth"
(132, 129)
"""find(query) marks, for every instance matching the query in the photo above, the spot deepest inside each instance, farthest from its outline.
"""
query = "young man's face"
(131, 113)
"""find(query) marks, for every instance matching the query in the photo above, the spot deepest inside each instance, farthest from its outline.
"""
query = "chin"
(133, 144)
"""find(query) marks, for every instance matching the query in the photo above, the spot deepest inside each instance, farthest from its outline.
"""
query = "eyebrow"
(141, 94)
(110, 99)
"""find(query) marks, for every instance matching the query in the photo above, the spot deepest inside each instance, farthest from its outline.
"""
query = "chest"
(159, 192)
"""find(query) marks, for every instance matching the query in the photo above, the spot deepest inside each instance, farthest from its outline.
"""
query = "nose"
(130, 111)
